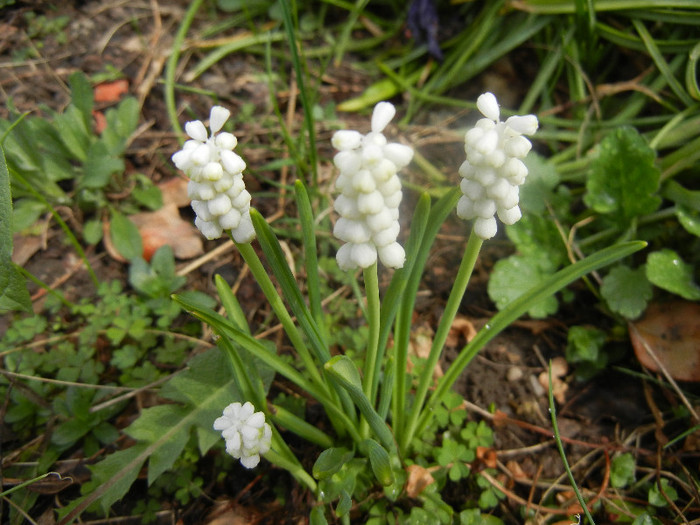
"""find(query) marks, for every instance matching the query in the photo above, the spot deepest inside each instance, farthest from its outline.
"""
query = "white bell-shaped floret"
(488, 105)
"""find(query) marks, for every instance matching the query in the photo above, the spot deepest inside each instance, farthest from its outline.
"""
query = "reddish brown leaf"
(165, 226)
(669, 334)
(111, 91)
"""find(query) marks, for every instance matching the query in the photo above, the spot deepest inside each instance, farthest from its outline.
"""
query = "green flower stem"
(471, 253)
(280, 455)
(515, 309)
(258, 271)
(284, 418)
(171, 66)
(560, 448)
(373, 309)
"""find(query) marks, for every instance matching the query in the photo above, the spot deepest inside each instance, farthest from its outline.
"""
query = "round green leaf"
(667, 270)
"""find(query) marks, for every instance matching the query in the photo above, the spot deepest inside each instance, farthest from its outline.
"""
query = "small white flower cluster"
(246, 433)
(493, 171)
(216, 186)
(370, 194)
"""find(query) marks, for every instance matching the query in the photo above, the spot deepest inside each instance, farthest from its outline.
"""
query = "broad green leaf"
(205, 389)
(585, 345)
(626, 291)
(121, 124)
(152, 425)
(13, 289)
(381, 462)
(646, 519)
(657, 499)
(125, 236)
(330, 461)
(536, 192)
(689, 219)
(99, 167)
(74, 132)
(536, 236)
(667, 270)
(92, 231)
(514, 276)
(623, 180)
(622, 469)
(82, 96)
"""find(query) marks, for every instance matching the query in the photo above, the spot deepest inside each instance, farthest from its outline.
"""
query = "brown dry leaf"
(461, 329)
(487, 456)
(111, 91)
(671, 332)
(419, 345)
(165, 226)
(24, 247)
(231, 513)
(559, 369)
(418, 478)
(516, 470)
(174, 191)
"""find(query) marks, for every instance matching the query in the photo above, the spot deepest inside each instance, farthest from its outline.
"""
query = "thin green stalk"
(560, 448)
(306, 102)
(515, 309)
(466, 267)
(347, 29)
(308, 235)
(171, 66)
(279, 455)
(69, 233)
(661, 63)
(43, 285)
(373, 321)
(257, 269)
(372, 292)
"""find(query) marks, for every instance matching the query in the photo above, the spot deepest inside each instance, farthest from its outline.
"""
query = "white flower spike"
(246, 433)
(370, 194)
(494, 171)
(217, 190)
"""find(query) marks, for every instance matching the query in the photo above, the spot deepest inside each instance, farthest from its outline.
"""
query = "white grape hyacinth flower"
(370, 194)
(246, 433)
(219, 198)
(494, 170)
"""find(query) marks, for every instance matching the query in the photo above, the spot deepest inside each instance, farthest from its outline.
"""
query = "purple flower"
(423, 23)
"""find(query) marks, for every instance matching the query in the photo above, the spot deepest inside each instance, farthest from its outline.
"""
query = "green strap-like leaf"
(518, 307)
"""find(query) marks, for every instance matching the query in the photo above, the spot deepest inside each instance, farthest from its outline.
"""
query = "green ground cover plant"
(611, 197)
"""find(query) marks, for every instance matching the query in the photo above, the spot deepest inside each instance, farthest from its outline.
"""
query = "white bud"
(393, 200)
(510, 216)
(363, 181)
(392, 255)
(399, 154)
(212, 171)
(465, 208)
(211, 230)
(346, 140)
(485, 208)
(485, 228)
(196, 130)
(488, 105)
(232, 162)
(219, 205)
(245, 232)
(370, 203)
(230, 220)
(524, 125)
(382, 115)
(217, 118)
(226, 141)
(364, 255)
(348, 162)
(387, 236)
(517, 146)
